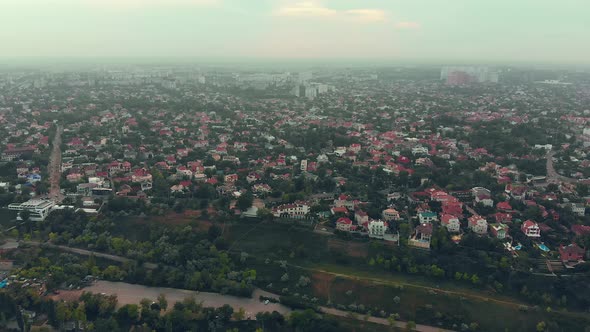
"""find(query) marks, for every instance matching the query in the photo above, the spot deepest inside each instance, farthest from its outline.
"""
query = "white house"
(297, 210)
(530, 229)
(451, 223)
(377, 228)
(427, 217)
(478, 224)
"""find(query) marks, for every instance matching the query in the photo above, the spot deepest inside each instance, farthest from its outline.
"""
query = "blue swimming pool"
(543, 247)
(518, 247)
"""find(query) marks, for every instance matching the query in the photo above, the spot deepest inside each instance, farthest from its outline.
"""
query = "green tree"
(245, 201)
(162, 301)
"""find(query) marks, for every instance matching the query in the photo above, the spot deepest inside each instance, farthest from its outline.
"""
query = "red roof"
(341, 209)
(503, 206)
(344, 220)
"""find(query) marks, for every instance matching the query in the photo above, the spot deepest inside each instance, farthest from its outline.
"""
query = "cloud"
(124, 4)
(407, 25)
(306, 9)
(367, 15)
(316, 9)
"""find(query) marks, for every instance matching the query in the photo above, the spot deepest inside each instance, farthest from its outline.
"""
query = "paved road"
(552, 175)
(54, 168)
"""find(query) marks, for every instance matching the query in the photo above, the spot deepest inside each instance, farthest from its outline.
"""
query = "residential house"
(571, 253)
(377, 228)
(451, 222)
(504, 206)
(346, 201)
(361, 217)
(499, 231)
(483, 196)
(390, 215)
(421, 236)
(427, 217)
(344, 224)
(530, 229)
(230, 178)
(339, 209)
(477, 224)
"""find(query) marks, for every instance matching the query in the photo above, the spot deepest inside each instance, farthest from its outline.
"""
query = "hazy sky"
(556, 31)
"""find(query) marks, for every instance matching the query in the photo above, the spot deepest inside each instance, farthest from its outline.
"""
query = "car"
(266, 302)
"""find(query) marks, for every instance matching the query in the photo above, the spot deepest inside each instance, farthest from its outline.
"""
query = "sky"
(536, 31)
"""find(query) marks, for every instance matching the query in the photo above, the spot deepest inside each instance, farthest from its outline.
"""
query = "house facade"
(531, 229)
(451, 222)
(478, 224)
(377, 228)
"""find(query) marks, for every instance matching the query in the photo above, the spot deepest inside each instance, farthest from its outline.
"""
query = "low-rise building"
(344, 224)
(39, 209)
(451, 222)
(427, 217)
(571, 253)
(478, 224)
(421, 236)
(390, 215)
(297, 210)
(499, 231)
(530, 229)
(377, 228)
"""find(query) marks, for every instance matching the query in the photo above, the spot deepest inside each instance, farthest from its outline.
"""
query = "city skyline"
(421, 31)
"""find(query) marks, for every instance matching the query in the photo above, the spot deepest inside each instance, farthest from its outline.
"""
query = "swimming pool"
(518, 247)
(543, 247)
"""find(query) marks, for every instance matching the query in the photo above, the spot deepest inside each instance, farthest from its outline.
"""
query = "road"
(552, 175)
(54, 168)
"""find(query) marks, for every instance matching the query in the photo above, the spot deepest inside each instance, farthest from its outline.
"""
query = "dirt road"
(132, 294)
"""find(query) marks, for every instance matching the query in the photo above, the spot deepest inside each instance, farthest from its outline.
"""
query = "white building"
(578, 209)
(322, 159)
(419, 150)
(304, 165)
(297, 210)
(451, 222)
(38, 208)
(478, 224)
(377, 228)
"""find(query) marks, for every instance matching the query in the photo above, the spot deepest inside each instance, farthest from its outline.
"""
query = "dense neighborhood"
(415, 169)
